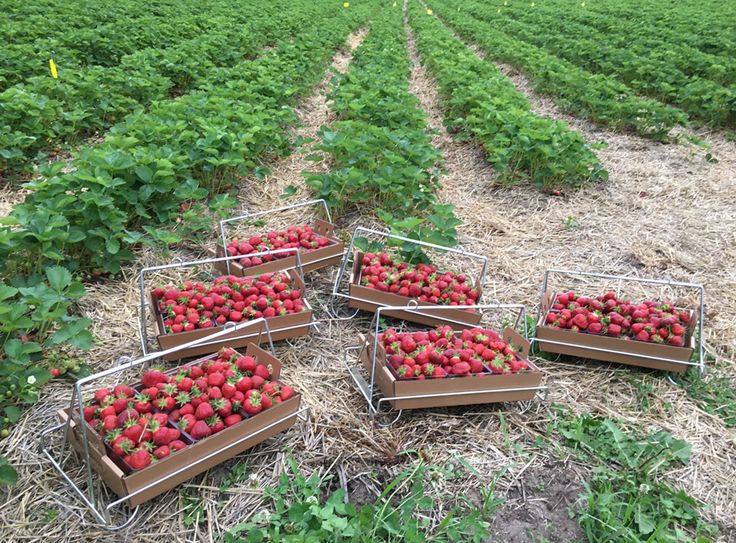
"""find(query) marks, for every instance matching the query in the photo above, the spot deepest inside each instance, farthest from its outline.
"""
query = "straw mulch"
(682, 228)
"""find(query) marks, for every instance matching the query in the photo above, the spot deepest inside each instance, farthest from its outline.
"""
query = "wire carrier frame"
(343, 277)
(250, 216)
(368, 389)
(700, 363)
(229, 326)
(100, 511)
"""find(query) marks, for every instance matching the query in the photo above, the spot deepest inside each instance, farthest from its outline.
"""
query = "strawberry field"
(377, 270)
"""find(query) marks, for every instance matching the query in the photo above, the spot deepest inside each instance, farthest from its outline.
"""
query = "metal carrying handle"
(77, 391)
(386, 234)
(662, 282)
(142, 329)
(367, 389)
(246, 216)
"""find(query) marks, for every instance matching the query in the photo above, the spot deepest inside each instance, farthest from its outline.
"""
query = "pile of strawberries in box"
(227, 298)
(649, 321)
(422, 281)
(167, 412)
(302, 238)
(444, 352)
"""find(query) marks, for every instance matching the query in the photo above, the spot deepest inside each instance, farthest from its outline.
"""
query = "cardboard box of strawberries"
(317, 245)
(140, 433)
(617, 329)
(380, 279)
(452, 367)
(195, 309)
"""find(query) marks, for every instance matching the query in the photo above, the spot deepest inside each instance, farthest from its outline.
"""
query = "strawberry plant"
(148, 166)
(481, 103)
(602, 99)
(34, 319)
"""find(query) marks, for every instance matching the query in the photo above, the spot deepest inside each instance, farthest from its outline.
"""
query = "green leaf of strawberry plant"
(58, 277)
(8, 475)
(12, 413)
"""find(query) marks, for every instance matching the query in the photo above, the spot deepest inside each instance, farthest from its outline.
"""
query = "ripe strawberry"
(101, 394)
(152, 377)
(89, 412)
(286, 392)
(139, 459)
(165, 403)
(186, 423)
(109, 423)
(177, 445)
(262, 371)
(252, 404)
(677, 341)
(678, 330)
(127, 415)
(203, 411)
(122, 445)
(200, 430)
(232, 420)
(461, 368)
(161, 452)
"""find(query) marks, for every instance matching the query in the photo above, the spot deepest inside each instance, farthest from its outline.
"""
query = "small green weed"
(402, 513)
(715, 394)
(626, 499)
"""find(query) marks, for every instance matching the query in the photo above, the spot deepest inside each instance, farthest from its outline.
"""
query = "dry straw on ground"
(682, 228)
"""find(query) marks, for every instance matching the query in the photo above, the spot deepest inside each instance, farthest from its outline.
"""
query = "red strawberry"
(177, 445)
(678, 330)
(228, 389)
(461, 368)
(200, 430)
(109, 423)
(123, 390)
(204, 410)
(89, 412)
(101, 394)
(262, 371)
(153, 377)
(677, 341)
(162, 436)
(233, 419)
(186, 423)
(252, 404)
(139, 459)
(215, 379)
(122, 445)
(266, 401)
(161, 452)
(286, 392)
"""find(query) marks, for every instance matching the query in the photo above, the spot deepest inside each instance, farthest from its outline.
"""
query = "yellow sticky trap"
(52, 67)
(429, 12)
(346, 4)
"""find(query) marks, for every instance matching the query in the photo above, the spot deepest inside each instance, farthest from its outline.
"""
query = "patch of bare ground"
(665, 212)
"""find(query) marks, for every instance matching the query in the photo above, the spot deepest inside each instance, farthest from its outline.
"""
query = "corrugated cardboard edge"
(300, 322)
(310, 260)
(631, 348)
(123, 484)
(392, 387)
(371, 299)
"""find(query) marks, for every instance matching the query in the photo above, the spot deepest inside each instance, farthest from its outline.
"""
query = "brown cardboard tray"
(281, 327)
(472, 385)
(125, 483)
(369, 299)
(330, 255)
(630, 352)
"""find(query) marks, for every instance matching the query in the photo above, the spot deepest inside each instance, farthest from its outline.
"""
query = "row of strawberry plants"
(381, 151)
(645, 73)
(77, 34)
(43, 112)
(381, 147)
(600, 98)
(482, 103)
(187, 149)
(699, 25)
(639, 39)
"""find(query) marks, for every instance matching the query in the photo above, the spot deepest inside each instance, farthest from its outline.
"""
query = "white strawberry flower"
(31, 379)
